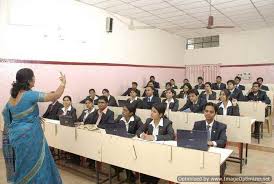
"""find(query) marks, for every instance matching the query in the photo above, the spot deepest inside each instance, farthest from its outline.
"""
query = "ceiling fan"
(132, 27)
(210, 24)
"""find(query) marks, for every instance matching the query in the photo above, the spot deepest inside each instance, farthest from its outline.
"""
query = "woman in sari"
(26, 152)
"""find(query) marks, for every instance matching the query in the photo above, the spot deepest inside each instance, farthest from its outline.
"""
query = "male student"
(216, 131)
(52, 110)
(238, 85)
(194, 103)
(234, 92)
(155, 93)
(218, 85)
(150, 99)
(111, 99)
(134, 86)
(155, 84)
(200, 84)
(262, 87)
(92, 95)
(102, 115)
(173, 85)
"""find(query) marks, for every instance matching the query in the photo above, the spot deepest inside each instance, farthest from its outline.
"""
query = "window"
(202, 42)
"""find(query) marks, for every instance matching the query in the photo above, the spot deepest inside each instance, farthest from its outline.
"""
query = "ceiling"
(177, 16)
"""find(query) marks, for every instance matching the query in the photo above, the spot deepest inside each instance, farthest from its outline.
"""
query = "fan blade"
(193, 27)
(214, 27)
(210, 21)
(144, 27)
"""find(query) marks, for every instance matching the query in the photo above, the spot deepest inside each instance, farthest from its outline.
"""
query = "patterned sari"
(27, 156)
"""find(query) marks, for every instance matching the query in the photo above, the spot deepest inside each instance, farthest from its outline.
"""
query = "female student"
(171, 102)
(87, 113)
(208, 94)
(226, 107)
(184, 94)
(137, 102)
(157, 128)
(68, 110)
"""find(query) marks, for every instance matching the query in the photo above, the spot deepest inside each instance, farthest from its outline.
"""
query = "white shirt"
(225, 108)
(136, 98)
(185, 97)
(168, 102)
(127, 122)
(87, 113)
(156, 128)
(65, 111)
(150, 98)
(210, 129)
(108, 97)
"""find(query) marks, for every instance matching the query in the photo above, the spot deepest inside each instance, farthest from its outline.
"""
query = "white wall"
(30, 29)
(247, 47)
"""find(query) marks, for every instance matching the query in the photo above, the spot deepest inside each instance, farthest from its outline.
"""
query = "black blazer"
(148, 105)
(52, 111)
(237, 94)
(202, 86)
(156, 93)
(163, 95)
(166, 131)
(196, 108)
(112, 101)
(72, 113)
(231, 110)
(95, 102)
(133, 125)
(127, 92)
(261, 96)
(265, 88)
(241, 87)
(137, 103)
(181, 94)
(88, 119)
(218, 132)
(173, 106)
(106, 118)
(215, 86)
(156, 84)
(211, 96)
(174, 87)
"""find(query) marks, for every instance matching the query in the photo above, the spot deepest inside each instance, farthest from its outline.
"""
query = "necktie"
(99, 118)
(149, 99)
(51, 107)
(208, 133)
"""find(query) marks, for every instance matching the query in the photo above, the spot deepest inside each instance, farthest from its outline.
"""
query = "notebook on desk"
(118, 129)
(66, 120)
(192, 139)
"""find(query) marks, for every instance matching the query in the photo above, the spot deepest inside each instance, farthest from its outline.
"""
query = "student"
(173, 85)
(238, 85)
(111, 99)
(155, 93)
(137, 102)
(226, 107)
(155, 84)
(185, 81)
(87, 114)
(184, 93)
(208, 94)
(255, 94)
(102, 115)
(233, 92)
(218, 85)
(171, 102)
(67, 110)
(200, 84)
(92, 95)
(168, 86)
(53, 109)
(194, 103)
(262, 87)
(132, 124)
(216, 130)
(134, 85)
(157, 128)
(150, 99)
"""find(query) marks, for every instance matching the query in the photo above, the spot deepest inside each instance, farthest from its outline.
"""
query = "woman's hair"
(23, 77)
(161, 108)
(67, 97)
(131, 108)
(188, 85)
(226, 92)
